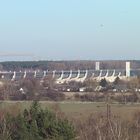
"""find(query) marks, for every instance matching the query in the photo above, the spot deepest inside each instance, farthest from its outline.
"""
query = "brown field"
(77, 109)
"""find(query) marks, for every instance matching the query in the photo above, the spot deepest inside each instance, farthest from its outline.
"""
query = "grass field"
(77, 109)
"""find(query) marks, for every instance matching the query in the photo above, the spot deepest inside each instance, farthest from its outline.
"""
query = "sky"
(70, 29)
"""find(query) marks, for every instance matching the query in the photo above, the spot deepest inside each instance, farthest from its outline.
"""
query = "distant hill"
(66, 65)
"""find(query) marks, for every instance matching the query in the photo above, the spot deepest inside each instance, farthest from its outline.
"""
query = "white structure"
(35, 73)
(25, 74)
(14, 76)
(59, 80)
(112, 77)
(82, 79)
(69, 77)
(100, 76)
(82, 89)
(78, 76)
(107, 74)
(127, 69)
(97, 66)
(44, 74)
(61, 77)
(53, 74)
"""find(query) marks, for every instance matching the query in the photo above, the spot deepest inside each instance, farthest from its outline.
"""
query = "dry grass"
(77, 109)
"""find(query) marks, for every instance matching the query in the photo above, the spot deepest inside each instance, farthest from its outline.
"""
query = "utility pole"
(108, 115)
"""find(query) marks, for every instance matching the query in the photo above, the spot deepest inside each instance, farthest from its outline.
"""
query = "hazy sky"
(71, 29)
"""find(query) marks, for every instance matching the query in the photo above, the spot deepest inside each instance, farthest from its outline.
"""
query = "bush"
(55, 95)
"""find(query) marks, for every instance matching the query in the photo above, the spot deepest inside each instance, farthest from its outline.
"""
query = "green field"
(76, 109)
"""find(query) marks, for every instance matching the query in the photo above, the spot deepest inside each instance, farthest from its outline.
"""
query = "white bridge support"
(119, 75)
(100, 76)
(100, 73)
(59, 80)
(107, 74)
(53, 76)
(25, 74)
(83, 78)
(69, 75)
(14, 76)
(77, 77)
(127, 69)
(44, 74)
(35, 73)
(112, 77)
(97, 66)
(68, 79)
(61, 77)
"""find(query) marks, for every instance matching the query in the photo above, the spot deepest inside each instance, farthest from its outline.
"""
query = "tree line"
(65, 65)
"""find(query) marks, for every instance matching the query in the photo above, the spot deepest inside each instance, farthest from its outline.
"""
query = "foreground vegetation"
(35, 124)
(84, 121)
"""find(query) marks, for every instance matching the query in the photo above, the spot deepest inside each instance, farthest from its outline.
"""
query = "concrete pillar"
(97, 66)
(100, 75)
(70, 75)
(62, 75)
(86, 74)
(107, 73)
(113, 75)
(14, 76)
(53, 76)
(78, 75)
(127, 69)
(44, 75)
(25, 74)
(35, 73)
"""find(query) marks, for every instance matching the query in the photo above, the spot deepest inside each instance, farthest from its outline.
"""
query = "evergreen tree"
(103, 83)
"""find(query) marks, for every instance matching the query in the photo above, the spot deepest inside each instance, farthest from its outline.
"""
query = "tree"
(32, 87)
(116, 81)
(49, 82)
(37, 124)
(103, 83)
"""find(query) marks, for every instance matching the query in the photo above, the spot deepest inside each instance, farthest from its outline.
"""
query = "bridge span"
(72, 75)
